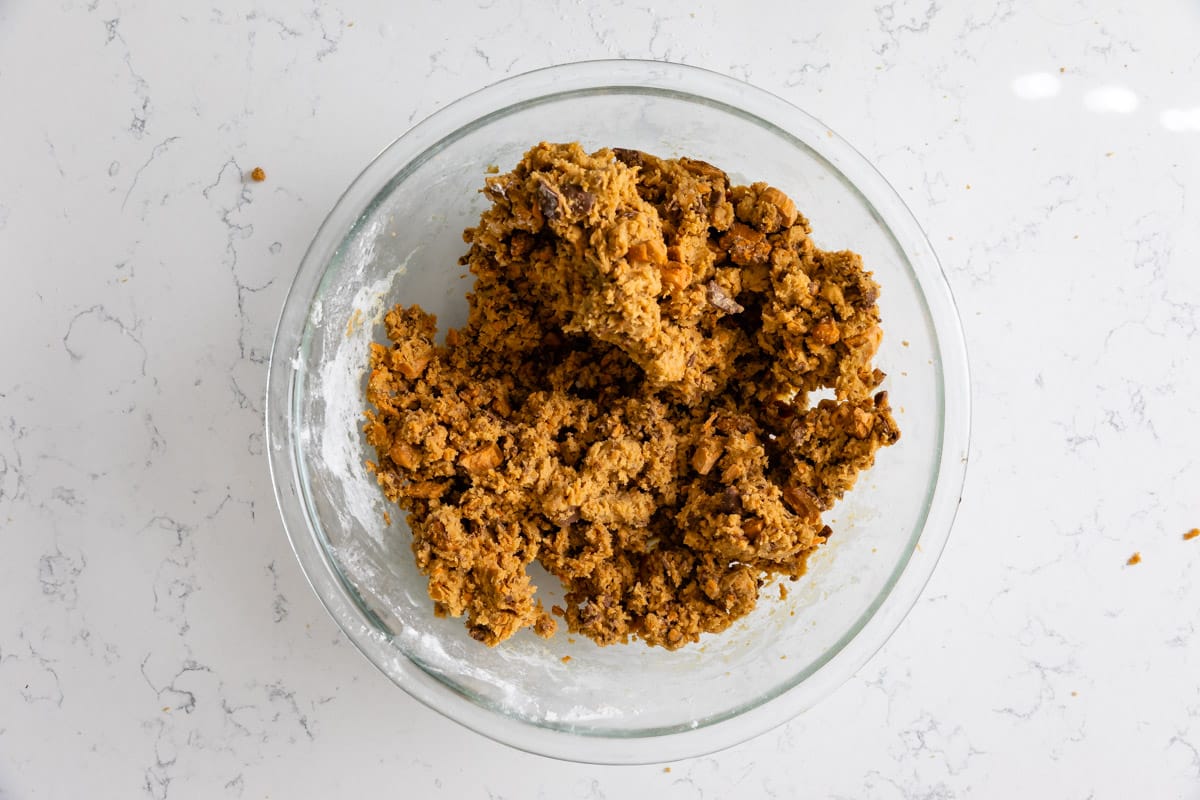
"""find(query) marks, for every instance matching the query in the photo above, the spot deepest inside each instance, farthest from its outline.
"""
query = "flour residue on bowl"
(340, 385)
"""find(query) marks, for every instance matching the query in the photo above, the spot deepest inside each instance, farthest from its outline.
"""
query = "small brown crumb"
(1109, 154)
(492, 169)
(968, 186)
(1074, 694)
(566, 659)
(387, 519)
(1062, 70)
(544, 626)
(1136, 558)
(166, 709)
(666, 769)
(1192, 534)
(783, 592)
(258, 175)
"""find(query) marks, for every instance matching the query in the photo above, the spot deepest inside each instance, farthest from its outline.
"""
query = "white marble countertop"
(157, 637)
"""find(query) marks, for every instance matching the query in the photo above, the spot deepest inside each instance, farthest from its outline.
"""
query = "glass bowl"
(395, 236)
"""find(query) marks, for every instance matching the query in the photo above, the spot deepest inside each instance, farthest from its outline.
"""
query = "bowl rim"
(880, 620)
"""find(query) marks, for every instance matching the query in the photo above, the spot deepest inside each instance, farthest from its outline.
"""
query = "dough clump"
(628, 403)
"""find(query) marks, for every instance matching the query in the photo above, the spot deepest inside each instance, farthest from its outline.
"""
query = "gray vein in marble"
(54, 155)
(141, 88)
(236, 231)
(925, 739)
(155, 152)
(1193, 752)
(331, 34)
(12, 473)
(41, 678)
(98, 312)
(799, 74)
(58, 574)
(896, 25)
(1108, 44)
(285, 31)
(1001, 11)
(280, 606)
(174, 579)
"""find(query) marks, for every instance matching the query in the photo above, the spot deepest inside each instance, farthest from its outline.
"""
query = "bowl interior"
(404, 248)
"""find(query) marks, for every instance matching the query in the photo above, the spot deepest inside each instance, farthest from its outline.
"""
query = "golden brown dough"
(628, 401)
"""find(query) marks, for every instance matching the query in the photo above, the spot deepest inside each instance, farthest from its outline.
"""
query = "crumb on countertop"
(1136, 558)
(258, 175)
(1192, 534)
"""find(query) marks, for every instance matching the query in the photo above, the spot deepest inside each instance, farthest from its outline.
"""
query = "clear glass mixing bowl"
(395, 236)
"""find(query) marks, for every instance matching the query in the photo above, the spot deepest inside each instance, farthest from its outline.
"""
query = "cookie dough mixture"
(628, 403)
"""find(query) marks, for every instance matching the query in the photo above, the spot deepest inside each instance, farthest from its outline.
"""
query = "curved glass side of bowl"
(396, 237)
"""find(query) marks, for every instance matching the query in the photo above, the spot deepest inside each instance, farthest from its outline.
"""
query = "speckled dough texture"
(628, 403)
